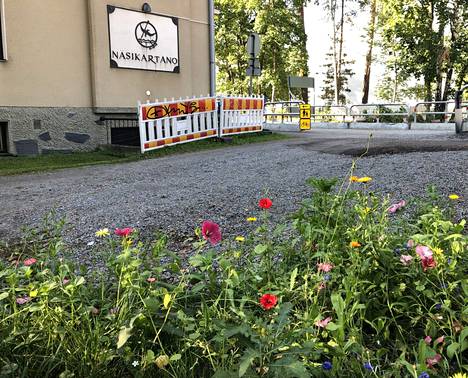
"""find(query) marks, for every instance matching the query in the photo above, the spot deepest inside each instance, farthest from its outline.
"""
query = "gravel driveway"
(175, 194)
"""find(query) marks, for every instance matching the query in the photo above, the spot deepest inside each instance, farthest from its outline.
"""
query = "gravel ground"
(175, 194)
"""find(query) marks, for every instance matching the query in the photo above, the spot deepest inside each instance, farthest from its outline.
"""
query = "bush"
(351, 290)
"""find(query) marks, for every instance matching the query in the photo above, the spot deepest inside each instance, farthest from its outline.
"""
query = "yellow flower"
(438, 251)
(332, 344)
(33, 293)
(162, 361)
(459, 375)
(454, 196)
(102, 232)
(364, 179)
(240, 238)
(251, 219)
(354, 244)
(354, 179)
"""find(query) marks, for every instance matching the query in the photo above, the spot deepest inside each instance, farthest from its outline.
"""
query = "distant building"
(72, 71)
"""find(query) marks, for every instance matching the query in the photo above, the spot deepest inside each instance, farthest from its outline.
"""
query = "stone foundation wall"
(33, 131)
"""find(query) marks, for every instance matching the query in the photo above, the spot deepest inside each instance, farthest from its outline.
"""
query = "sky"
(318, 31)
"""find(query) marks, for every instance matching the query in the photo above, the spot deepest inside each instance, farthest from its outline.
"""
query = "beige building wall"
(122, 87)
(58, 55)
(57, 80)
(48, 54)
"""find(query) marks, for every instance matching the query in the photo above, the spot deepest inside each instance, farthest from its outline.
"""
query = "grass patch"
(18, 165)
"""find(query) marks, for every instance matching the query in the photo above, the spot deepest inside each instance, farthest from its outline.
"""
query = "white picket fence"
(180, 121)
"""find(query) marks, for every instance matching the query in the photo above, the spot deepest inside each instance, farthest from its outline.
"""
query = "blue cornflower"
(368, 366)
(438, 306)
(327, 365)
(397, 251)
(327, 277)
(424, 375)
(449, 261)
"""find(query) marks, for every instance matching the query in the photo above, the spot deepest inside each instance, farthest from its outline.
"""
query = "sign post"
(253, 49)
(304, 112)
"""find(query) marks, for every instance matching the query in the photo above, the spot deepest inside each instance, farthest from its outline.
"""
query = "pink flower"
(322, 286)
(22, 300)
(211, 232)
(428, 340)
(65, 281)
(124, 232)
(439, 340)
(323, 323)
(410, 243)
(423, 251)
(151, 279)
(430, 362)
(406, 259)
(395, 207)
(30, 262)
(427, 259)
(324, 267)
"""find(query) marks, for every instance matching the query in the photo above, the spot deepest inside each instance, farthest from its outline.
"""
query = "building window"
(3, 54)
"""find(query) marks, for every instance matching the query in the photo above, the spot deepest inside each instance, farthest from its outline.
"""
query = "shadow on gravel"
(357, 147)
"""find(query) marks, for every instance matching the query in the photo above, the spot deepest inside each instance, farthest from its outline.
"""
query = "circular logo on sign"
(146, 35)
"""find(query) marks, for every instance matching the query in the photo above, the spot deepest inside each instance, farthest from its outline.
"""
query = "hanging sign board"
(304, 112)
(143, 41)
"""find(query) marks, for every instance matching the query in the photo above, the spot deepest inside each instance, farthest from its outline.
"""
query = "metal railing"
(379, 113)
(282, 109)
(423, 112)
(329, 113)
(434, 112)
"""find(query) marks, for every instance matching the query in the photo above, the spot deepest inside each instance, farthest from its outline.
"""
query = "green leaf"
(452, 349)
(332, 326)
(292, 281)
(249, 356)
(124, 335)
(283, 316)
(3, 296)
(297, 370)
(260, 249)
(176, 357)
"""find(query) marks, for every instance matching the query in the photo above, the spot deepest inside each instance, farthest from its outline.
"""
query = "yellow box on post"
(304, 122)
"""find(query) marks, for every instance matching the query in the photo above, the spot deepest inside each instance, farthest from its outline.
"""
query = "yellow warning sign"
(304, 112)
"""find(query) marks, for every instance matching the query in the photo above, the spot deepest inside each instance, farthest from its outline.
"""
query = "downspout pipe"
(212, 48)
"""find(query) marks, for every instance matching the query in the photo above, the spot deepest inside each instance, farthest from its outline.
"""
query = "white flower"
(135, 363)
(91, 243)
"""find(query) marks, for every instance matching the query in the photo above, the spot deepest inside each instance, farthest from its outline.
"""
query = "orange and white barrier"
(177, 121)
(240, 115)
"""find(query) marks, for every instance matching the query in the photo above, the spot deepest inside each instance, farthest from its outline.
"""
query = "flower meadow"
(351, 286)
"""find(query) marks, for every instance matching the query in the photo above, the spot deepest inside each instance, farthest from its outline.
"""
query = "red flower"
(265, 203)
(124, 232)
(211, 232)
(268, 301)
(151, 279)
(30, 262)
(428, 262)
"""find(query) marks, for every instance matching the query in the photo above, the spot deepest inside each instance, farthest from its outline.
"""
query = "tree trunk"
(340, 53)
(427, 86)
(371, 37)
(395, 86)
(304, 91)
(335, 62)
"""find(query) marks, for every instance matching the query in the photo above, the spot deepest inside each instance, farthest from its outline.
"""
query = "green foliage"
(283, 52)
(427, 40)
(152, 314)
